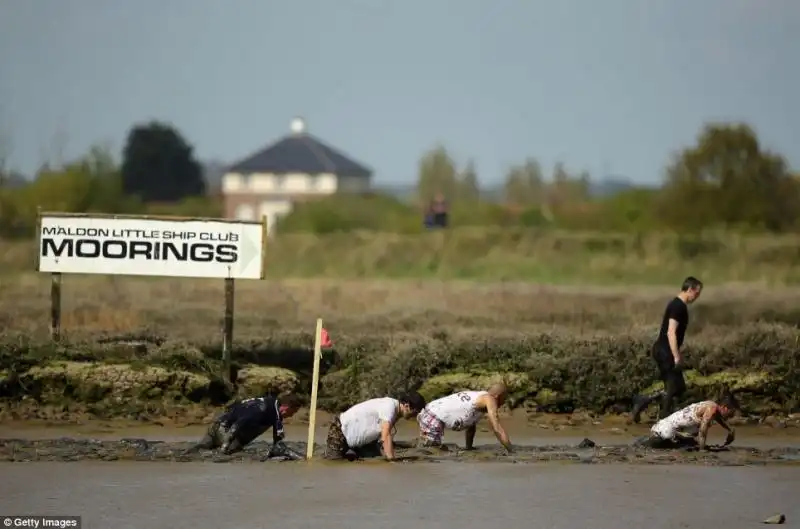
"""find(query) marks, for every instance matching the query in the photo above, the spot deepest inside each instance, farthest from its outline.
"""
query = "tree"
(437, 174)
(468, 187)
(89, 184)
(159, 166)
(566, 188)
(727, 179)
(524, 185)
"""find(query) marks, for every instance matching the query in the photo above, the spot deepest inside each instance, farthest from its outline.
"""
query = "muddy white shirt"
(361, 424)
(682, 420)
(457, 411)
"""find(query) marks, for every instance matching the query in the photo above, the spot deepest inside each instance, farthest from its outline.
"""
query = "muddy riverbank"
(133, 449)
(519, 423)
(542, 442)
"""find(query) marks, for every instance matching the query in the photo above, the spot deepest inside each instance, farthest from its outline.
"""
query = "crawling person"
(368, 426)
(245, 420)
(462, 411)
(688, 427)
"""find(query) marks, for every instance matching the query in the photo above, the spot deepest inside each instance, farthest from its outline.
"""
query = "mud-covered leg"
(335, 445)
(232, 445)
(655, 442)
(369, 451)
(212, 439)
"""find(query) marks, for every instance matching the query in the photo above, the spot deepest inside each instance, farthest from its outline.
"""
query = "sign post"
(143, 245)
(55, 306)
(227, 329)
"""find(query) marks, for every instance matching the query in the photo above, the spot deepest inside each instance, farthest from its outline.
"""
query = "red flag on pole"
(325, 339)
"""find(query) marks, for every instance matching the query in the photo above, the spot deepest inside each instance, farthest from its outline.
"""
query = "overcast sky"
(611, 86)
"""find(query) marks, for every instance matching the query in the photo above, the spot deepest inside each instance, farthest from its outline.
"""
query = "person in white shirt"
(462, 411)
(368, 426)
(688, 427)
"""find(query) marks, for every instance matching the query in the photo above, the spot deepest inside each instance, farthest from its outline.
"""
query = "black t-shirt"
(676, 310)
(252, 417)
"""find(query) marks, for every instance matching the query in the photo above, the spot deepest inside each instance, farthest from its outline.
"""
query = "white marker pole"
(312, 414)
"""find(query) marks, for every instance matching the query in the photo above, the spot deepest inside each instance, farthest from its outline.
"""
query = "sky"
(611, 87)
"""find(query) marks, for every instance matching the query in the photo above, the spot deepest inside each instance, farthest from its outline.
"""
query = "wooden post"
(312, 413)
(227, 333)
(55, 307)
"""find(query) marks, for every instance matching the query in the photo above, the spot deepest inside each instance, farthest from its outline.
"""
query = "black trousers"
(653, 441)
(672, 376)
(218, 437)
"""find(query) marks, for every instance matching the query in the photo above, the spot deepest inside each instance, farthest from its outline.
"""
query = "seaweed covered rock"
(91, 382)
(255, 380)
(519, 384)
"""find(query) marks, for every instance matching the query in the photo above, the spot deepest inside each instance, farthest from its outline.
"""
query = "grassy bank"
(496, 254)
(144, 348)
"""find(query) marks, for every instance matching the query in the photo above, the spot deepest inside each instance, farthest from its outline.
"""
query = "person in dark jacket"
(244, 420)
(666, 351)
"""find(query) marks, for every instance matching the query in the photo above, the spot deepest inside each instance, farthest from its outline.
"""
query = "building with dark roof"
(296, 167)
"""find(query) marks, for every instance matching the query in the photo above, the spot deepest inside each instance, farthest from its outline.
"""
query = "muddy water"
(369, 495)
(521, 431)
(142, 485)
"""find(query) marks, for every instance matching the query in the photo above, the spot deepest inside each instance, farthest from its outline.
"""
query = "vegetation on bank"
(145, 347)
(507, 254)
(549, 372)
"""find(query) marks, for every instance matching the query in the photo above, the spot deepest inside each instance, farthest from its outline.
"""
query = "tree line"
(157, 174)
(725, 180)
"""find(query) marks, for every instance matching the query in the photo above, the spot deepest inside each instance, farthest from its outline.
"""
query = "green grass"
(519, 254)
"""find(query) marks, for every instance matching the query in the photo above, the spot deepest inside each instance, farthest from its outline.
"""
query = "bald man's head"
(499, 392)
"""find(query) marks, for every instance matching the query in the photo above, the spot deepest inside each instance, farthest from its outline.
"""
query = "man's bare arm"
(672, 337)
(494, 421)
(705, 424)
(731, 437)
(388, 442)
(469, 436)
(718, 418)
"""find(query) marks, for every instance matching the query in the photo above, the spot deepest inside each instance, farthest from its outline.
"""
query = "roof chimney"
(298, 126)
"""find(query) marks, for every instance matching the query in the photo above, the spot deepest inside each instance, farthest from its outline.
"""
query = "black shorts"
(674, 383)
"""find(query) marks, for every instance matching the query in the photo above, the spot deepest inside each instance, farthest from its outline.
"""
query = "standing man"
(244, 420)
(666, 351)
(462, 411)
(369, 425)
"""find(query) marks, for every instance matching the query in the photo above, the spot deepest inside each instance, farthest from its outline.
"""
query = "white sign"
(143, 246)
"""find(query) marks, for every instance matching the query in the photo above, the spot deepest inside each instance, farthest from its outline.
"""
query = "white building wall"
(274, 209)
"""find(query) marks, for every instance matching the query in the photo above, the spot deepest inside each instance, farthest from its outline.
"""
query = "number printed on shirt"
(464, 397)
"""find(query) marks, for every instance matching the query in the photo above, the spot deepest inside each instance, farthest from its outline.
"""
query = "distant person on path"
(244, 420)
(369, 426)
(436, 214)
(462, 411)
(666, 351)
(689, 426)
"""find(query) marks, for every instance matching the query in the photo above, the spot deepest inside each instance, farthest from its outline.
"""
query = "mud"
(136, 449)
